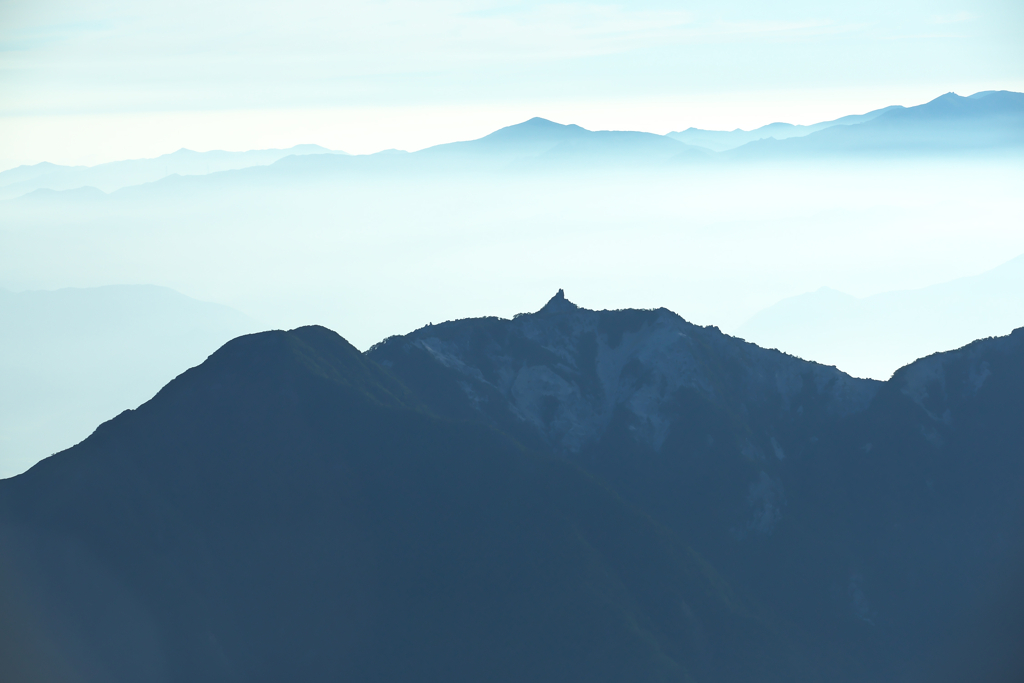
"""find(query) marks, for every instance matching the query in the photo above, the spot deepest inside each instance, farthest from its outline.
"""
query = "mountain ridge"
(277, 483)
(756, 469)
(984, 124)
(733, 513)
(114, 175)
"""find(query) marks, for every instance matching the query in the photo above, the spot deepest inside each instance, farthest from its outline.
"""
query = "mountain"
(73, 358)
(929, 494)
(533, 146)
(986, 123)
(989, 122)
(523, 140)
(875, 335)
(539, 142)
(565, 495)
(117, 174)
(289, 511)
(846, 505)
(722, 140)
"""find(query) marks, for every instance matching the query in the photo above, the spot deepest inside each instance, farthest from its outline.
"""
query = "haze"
(96, 82)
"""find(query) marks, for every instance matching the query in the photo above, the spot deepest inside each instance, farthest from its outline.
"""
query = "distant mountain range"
(875, 335)
(72, 358)
(722, 140)
(985, 123)
(117, 174)
(565, 495)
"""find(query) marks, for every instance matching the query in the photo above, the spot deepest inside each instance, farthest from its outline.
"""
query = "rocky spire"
(558, 304)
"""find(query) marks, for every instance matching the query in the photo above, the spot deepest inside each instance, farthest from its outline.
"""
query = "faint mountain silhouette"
(987, 123)
(721, 140)
(875, 335)
(117, 174)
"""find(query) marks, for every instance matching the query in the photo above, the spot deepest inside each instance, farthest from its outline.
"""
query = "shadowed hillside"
(288, 511)
(847, 505)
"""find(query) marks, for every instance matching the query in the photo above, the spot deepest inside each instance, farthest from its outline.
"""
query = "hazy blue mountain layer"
(875, 335)
(73, 358)
(289, 511)
(117, 174)
(721, 140)
(988, 123)
(539, 142)
(985, 123)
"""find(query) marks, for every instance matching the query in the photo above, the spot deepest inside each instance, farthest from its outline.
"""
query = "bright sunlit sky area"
(85, 83)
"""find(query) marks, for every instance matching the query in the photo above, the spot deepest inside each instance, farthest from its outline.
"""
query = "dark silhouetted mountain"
(288, 510)
(991, 122)
(73, 358)
(117, 174)
(849, 506)
(566, 495)
(721, 140)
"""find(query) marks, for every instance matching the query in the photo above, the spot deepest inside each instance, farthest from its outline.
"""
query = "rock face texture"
(564, 375)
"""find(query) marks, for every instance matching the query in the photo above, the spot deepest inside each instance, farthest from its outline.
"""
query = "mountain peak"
(558, 304)
(535, 127)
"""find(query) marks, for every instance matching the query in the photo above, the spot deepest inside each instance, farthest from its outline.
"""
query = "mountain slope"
(73, 358)
(289, 511)
(846, 505)
(927, 486)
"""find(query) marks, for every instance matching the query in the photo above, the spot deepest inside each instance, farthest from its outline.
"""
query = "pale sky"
(87, 82)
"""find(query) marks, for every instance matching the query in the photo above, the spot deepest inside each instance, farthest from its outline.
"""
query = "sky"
(84, 83)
